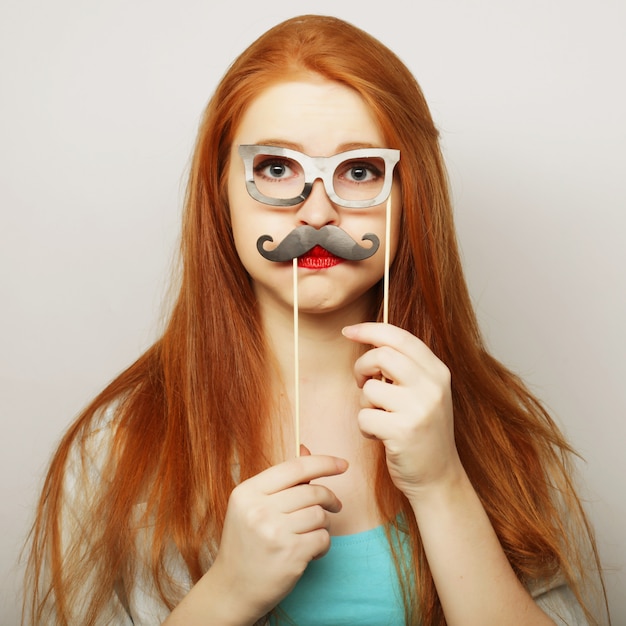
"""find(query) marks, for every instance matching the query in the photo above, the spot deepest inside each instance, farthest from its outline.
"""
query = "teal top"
(355, 583)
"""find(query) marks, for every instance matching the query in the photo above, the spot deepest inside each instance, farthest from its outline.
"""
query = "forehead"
(315, 116)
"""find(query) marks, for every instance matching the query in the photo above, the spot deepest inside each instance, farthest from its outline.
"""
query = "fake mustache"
(332, 238)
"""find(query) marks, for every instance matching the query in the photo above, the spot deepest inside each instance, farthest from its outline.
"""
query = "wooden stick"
(296, 357)
(387, 257)
(386, 271)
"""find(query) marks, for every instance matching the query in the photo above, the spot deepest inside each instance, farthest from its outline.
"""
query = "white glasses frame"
(318, 168)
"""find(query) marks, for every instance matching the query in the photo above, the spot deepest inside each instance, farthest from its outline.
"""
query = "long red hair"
(195, 405)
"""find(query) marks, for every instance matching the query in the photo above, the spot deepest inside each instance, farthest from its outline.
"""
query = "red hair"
(196, 404)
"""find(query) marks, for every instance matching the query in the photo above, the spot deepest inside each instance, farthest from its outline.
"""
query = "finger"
(307, 495)
(387, 362)
(317, 542)
(297, 471)
(404, 343)
(309, 519)
(377, 335)
(379, 394)
(378, 424)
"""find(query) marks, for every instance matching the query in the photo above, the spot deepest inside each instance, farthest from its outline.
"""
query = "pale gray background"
(100, 102)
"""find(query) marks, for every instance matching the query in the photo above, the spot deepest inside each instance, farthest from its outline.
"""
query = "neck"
(326, 386)
(324, 353)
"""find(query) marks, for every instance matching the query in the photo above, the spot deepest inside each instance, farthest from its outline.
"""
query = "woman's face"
(318, 118)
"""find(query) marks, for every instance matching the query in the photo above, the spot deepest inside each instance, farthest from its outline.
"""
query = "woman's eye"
(277, 170)
(274, 170)
(361, 173)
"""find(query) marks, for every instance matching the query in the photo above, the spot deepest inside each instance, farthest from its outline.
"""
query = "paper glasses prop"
(355, 179)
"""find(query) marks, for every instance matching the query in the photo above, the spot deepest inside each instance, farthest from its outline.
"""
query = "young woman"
(433, 489)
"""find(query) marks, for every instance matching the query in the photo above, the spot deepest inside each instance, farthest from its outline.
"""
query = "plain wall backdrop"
(100, 101)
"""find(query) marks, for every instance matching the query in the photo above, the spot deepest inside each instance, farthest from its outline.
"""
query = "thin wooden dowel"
(296, 358)
(387, 257)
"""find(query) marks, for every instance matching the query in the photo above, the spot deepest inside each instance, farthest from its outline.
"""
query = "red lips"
(318, 258)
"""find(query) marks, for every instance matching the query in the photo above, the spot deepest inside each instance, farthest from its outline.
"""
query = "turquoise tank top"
(355, 583)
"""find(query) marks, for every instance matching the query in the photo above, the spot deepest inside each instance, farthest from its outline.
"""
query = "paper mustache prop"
(332, 238)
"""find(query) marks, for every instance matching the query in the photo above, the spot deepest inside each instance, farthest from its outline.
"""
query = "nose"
(317, 210)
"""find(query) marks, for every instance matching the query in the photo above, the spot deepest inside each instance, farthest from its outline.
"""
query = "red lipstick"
(318, 258)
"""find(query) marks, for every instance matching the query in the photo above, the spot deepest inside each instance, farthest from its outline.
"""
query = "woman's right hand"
(276, 523)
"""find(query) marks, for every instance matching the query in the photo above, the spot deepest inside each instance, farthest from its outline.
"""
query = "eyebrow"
(283, 143)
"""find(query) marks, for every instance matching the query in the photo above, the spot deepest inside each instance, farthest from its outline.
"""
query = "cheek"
(242, 219)
(245, 236)
(250, 221)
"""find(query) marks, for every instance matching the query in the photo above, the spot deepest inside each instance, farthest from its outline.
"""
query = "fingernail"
(348, 331)
(342, 464)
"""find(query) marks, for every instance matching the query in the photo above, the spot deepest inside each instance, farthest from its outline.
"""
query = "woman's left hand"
(407, 404)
